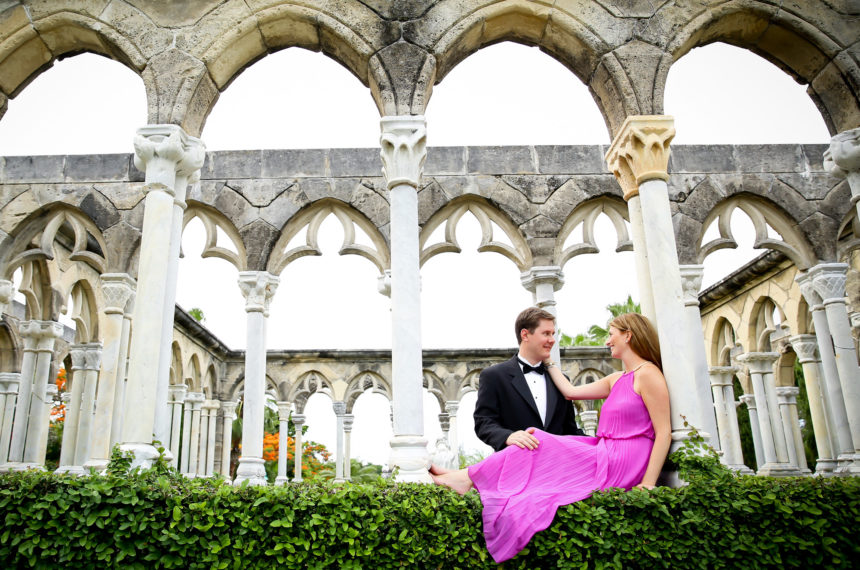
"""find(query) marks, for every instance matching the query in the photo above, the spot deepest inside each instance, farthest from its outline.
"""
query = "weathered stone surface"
(100, 210)
(355, 162)
(571, 159)
(33, 168)
(290, 163)
(445, 160)
(96, 167)
(259, 238)
(702, 158)
(371, 201)
(501, 160)
(123, 195)
(233, 164)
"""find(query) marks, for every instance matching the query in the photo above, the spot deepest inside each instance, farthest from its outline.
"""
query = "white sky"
(503, 95)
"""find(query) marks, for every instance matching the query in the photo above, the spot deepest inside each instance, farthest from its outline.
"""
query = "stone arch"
(312, 218)
(10, 358)
(361, 383)
(193, 371)
(212, 221)
(784, 369)
(487, 215)
(177, 372)
(31, 39)
(85, 313)
(587, 214)
(210, 382)
(435, 385)
(309, 383)
(793, 41)
(794, 244)
(469, 383)
(587, 376)
(724, 341)
(761, 323)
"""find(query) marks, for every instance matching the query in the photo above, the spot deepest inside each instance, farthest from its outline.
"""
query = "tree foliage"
(596, 334)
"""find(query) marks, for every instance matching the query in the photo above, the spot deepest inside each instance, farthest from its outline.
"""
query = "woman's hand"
(644, 486)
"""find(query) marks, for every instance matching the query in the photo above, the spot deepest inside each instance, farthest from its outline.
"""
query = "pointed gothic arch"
(214, 221)
(586, 214)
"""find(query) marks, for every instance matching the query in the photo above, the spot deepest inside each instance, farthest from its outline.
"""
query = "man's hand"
(523, 439)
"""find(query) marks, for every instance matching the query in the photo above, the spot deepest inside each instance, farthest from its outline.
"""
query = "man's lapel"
(552, 395)
(518, 380)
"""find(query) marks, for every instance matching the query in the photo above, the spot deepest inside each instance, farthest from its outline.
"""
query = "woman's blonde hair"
(643, 336)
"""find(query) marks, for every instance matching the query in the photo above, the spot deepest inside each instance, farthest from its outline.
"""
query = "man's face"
(536, 346)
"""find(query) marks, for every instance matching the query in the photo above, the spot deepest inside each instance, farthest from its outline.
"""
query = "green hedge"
(162, 520)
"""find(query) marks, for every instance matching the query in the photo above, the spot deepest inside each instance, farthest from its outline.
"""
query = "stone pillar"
(727, 418)
(829, 282)
(195, 401)
(749, 401)
(543, 282)
(160, 151)
(185, 460)
(92, 363)
(787, 398)
(638, 157)
(640, 256)
(177, 399)
(7, 294)
(122, 375)
(339, 411)
(205, 414)
(283, 443)
(30, 421)
(805, 347)
(51, 392)
(403, 142)
(298, 422)
(76, 381)
(769, 422)
(208, 462)
(117, 289)
(589, 421)
(453, 407)
(258, 287)
(834, 406)
(229, 411)
(10, 382)
(348, 419)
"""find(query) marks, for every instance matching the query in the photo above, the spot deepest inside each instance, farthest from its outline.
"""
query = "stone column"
(403, 142)
(638, 157)
(543, 282)
(160, 151)
(185, 459)
(117, 289)
(453, 407)
(829, 282)
(51, 392)
(195, 401)
(177, 399)
(589, 421)
(7, 294)
(727, 418)
(805, 347)
(283, 429)
(258, 287)
(92, 363)
(31, 420)
(203, 439)
(298, 422)
(769, 423)
(787, 398)
(122, 375)
(749, 401)
(339, 411)
(640, 256)
(10, 381)
(834, 406)
(213, 406)
(76, 381)
(229, 411)
(348, 419)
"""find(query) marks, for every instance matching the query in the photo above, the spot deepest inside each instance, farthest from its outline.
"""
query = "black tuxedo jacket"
(505, 404)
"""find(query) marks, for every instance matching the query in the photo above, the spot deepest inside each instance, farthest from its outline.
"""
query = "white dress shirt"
(537, 386)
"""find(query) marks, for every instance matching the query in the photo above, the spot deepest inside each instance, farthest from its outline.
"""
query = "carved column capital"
(843, 156)
(444, 421)
(452, 407)
(691, 283)
(92, 355)
(39, 331)
(805, 347)
(211, 406)
(284, 409)
(383, 284)
(807, 289)
(162, 152)
(721, 375)
(404, 149)
(348, 419)
(258, 287)
(339, 408)
(177, 392)
(749, 400)
(299, 421)
(759, 362)
(829, 281)
(9, 382)
(787, 394)
(640, 151)
(196, 399)
(542, 275)
(117, 289)
(7, 293)
(229, 409)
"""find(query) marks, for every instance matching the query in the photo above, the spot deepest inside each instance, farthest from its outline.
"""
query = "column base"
(848, 464)
(72, 470)
(409, 456)
(251, 470)
(145, 454)
(779, 470)
(826, 467)
(20, 466)
(742, 469)
(100, 465)
(279, 480)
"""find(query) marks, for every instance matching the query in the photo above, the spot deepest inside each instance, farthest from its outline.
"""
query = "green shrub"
(155, 519)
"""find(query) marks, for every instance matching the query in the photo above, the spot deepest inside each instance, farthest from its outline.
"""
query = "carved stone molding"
(163, 151)
(807, 289)
(640, 152)
(177, 392)
(229, 409)
(691, 283)
(749, 400)
(284, 409)
(258, 287)
(759, 362)
(829, 281)
(404, 149)
(339, 408)
(542, 275)
(348, 420)
(787, 394)
(805, 347)
(722, 375)
(117, 289)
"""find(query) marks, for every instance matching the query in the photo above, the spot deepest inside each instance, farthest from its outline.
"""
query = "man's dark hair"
(530, 319)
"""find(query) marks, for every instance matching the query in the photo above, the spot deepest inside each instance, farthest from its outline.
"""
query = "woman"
(522, 488)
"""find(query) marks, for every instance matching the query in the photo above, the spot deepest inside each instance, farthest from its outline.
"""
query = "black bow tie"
(540, 368)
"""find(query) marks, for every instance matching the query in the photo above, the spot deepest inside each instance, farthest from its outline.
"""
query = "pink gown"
(521, 489)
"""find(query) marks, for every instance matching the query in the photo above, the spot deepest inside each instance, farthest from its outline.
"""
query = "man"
(518, 394)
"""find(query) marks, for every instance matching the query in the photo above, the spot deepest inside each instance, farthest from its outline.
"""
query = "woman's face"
(617, 341)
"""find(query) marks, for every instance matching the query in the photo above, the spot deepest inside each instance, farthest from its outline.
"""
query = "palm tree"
(597, 335)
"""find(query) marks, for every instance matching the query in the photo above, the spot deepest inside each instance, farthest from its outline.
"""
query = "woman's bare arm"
(655, 394)
(594, 391)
